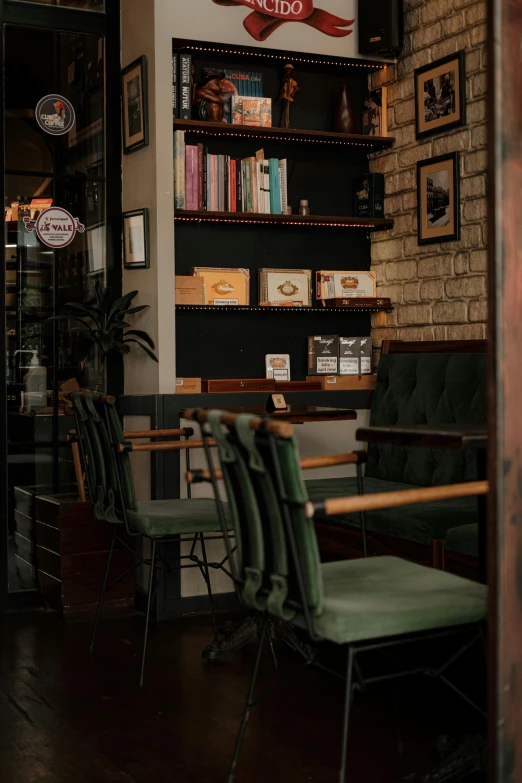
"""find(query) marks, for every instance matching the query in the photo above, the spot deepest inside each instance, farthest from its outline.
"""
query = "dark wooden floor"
(67, 717)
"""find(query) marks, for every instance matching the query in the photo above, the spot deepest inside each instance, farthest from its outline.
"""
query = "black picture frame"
(135, 120)
(423, 128)
(143, 260)
(442, 232)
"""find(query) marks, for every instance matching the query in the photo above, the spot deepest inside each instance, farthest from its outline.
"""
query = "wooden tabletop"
(447, 436)
(297, 414)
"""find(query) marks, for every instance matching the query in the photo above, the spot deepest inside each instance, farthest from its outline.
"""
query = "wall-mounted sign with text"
(322, 27)
(55, 227)
(55, 115)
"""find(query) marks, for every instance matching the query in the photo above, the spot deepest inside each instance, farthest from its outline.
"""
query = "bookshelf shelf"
(368, 143)
(341, 221)
(367, 306)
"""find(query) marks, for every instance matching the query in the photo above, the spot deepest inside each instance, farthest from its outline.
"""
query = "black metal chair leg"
(206, 576)
(149, 602)
(346, 719)
(249, 701)
(102, 596)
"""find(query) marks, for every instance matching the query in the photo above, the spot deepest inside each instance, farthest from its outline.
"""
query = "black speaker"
(381, 27)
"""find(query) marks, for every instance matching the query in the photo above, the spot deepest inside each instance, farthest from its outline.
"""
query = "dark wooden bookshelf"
(216, 129)
(363, 306)
(341, 221)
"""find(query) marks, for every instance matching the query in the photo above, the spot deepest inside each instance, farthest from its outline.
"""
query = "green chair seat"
(379, 597)
(156, 518)
(419, 523)
(463, 540)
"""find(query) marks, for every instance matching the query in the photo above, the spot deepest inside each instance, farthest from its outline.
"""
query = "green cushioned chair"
(463, 540)
(382, 600)
(111, 490)
(418, 388)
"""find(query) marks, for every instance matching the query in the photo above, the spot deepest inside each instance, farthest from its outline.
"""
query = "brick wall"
(438, 291)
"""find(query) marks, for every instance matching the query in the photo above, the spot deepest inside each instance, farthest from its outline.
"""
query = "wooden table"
(447, 436)
(296, 414)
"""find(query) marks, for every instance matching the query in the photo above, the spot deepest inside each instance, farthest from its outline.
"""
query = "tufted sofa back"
(424, 388)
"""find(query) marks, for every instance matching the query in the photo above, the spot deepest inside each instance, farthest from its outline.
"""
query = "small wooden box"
(190, 290)
(238, 385)
(188, 385)
(345, 382)
(71, 556)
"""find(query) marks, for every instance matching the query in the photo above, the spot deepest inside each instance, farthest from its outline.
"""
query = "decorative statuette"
(289, 88)
(208, 96)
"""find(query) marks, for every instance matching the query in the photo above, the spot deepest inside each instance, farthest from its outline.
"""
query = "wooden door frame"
(504, 30)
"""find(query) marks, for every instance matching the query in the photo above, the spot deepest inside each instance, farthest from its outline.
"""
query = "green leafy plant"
(102, 322)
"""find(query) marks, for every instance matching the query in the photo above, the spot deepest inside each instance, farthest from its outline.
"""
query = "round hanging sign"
(55, 227)
(55, 115)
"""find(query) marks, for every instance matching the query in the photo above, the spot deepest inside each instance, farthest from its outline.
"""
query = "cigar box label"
(326, 365)
(281, 375)
(331, 380)
(349, 366)
(366, 365)
(226, 301)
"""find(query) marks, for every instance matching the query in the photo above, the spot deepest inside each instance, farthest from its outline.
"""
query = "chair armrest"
(177, 445)
(406, 497)
(179, 433)
(307, 463)
(351, 458)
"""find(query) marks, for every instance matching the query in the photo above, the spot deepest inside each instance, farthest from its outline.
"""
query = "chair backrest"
(279, 567)
(427, 388)
(111, 486)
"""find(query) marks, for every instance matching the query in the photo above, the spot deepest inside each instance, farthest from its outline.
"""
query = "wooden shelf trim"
(370, 143)
(339, 221)
(358, 306)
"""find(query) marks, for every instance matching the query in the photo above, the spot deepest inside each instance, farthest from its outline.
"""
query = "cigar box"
(323, 355)
(188, 385)
(368, 196)
(331, 284)
(224, 286)
(346, 382)
(215, 385)
(190, 290)
(355, 355)
(298, 386)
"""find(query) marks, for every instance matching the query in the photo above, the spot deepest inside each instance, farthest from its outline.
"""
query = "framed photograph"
(438, 202)
(224, 286)
(285, 287)
(135, 106)
(440, 95)
(136, 239)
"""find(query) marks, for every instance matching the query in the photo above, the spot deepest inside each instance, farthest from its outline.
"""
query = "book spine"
(179, 169)
(205, 178)
(248, 192)
(226, 184)
(233, 187)
(275, 191)
(283, 182)
(185, 102)
(213, 183)
(200, 177)
(254, 184)
(188, 178)
(175, 87)
(266, 173)
(239, 186)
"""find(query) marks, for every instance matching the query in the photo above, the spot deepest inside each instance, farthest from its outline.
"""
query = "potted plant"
(102, 323)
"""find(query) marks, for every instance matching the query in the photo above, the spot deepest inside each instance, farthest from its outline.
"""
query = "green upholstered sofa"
(417, 383)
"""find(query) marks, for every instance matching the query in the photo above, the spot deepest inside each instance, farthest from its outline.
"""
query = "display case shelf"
(219, 129)
(339, 221)
(367, 306)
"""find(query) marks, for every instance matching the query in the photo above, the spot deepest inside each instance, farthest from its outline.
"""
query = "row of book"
(221, 183)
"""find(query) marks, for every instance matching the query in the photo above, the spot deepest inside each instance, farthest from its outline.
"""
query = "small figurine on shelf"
(208, 96)
(289, 89)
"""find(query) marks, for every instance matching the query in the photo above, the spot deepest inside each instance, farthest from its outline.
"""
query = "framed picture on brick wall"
(440, 95)
(438, 201)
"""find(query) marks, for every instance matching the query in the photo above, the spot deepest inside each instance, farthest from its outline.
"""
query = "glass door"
(55, 239)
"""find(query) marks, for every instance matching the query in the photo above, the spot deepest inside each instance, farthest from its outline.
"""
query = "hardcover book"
(376, 104)
(185, 102)
(368, 196)
(175, 97)
(179, 169)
